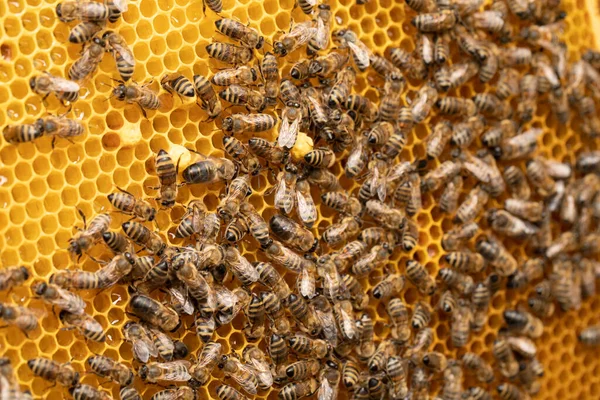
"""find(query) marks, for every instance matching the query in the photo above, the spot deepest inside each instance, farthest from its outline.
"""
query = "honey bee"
(379, 359)
(180, 393)
(590, 336)
(517, 184)
(129, 393)
(257, 225)
(340, 90)
(53, 371)
(439, 138)
(269, 151)
(299, 35)
(378, 255)
(240, 266)
(461, 321)
(63, 89)
(85, 324)
(61, 298)
(389, 107)
(89, 61)
(243, 75)
(390, 218)
(290, 125)
(154, 312)
(177, 83)
(167, 176)
(240, 123)
(422, 104)
(515, 56)
(86, 238)
(320, 158)
(119, 244)
(301, 70)
(530, 271)
(320, 40)
(143, 236)
(418, 276)
(270, 73)
(108, 368)
(449, 198)
(421, 315)
(467, 131)
(68, 11)
(87, 392)
(360, 52)
(472, 206)
(303, 313)
(26, 319)
(518, 146)
(440, 176)
(523, 322)
(22, 133)
(209, 170)
(456, 106)
(341, 231)
(436, 21)
(456, 75)
(483, 371)
(240, 95)
(527, 102)
(205, 327)
(465, 261)
(84, 31)
(229, 53)
(408, 63)
(292, 234)
(324, 179)
(128, 204)
(342, 203)
(174, 371)
(497, 255)
(244, 375)
(139, 336)
(302, 369)
(539, 177)
(508, 365)
(237, 192)
(456, 281)
(207, 361)
(249, 37)
(121, 53)
(13, 276)
(453, 239)
(298, 390)
(306, 209)
(142, 95)
(206, 93)
(281, 255)
(507, 224)
(236, 230)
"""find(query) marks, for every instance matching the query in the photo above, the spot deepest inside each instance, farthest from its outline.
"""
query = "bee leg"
(143, 111)
(83, 218)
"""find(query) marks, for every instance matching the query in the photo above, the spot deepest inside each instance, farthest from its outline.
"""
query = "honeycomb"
(42, 187)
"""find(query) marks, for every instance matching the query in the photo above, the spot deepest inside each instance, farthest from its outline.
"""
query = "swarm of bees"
(480, 159)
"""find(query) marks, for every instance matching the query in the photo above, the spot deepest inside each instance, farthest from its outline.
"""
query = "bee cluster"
(304, 307)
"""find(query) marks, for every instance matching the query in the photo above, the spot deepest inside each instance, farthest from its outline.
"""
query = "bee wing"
(90, 324)
(478, 169)
(281, 191)
(249, 385)
(322, 33)
(303, 33)
(186, 303)
(288, 133)
(306, 208)
(108, 275)
(164, 340)
(175, 374)
(307, 284)
(330, 331)
(143, 349)
(325, 390)
(263, 372)
(63, 85)
(361, 54)
(125, 53)
(70, 302)
(210, 357)
(122, 5)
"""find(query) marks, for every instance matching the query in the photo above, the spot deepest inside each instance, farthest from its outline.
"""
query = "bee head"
(120, 92)
(254, 74)
(106, 34)
(40, 288)
(62, 315)
(143, 372)
(260, 43)
(24, 272)
(129, 257)
(227, 125)
(279, 49)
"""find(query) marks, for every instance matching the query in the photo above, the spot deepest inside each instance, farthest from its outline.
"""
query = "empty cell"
(12, 26)
(161, 24)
